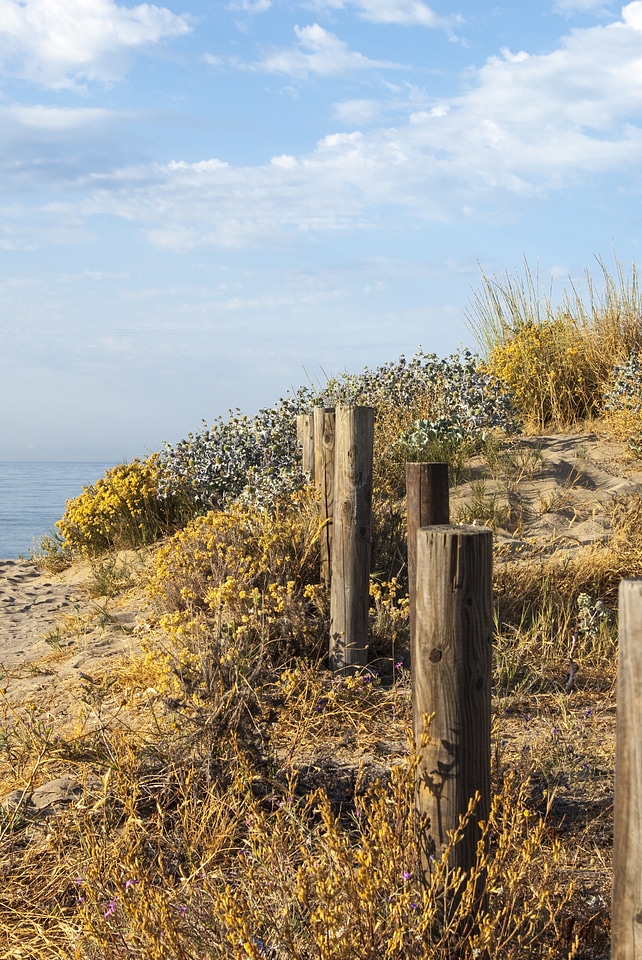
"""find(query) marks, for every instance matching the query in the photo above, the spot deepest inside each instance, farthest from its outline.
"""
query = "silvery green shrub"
(626, 390)
(258, 458)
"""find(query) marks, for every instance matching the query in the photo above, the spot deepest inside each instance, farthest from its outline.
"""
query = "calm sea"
(33, 496)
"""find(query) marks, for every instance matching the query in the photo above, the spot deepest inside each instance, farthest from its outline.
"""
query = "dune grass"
(557, 356)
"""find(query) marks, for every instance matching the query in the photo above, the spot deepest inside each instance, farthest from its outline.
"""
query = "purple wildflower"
(111, 909)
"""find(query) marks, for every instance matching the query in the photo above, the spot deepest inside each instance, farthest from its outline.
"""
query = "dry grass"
(557, 357)
(255, 806)
(186, 845)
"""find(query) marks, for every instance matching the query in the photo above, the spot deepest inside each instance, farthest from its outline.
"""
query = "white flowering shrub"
(625, 392)
(623, 402)
(591, 615)
(258, 459)
(455, 388)
(254, 459)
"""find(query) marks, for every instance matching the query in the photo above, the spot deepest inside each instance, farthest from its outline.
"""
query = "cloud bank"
(406, 13)
(320, 53)
(525, 125)
(64, 43)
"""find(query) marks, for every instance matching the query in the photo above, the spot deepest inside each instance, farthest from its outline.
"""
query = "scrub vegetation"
(238, 800)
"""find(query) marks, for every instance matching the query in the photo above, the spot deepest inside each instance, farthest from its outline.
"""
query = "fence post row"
(451, 662)
(626, 937)
(324, 442)
(450, 588)
(351, 536)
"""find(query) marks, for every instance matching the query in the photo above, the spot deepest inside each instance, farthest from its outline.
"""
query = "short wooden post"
(324, 429)
(451, 664)
(350, 587)
(626, 938)
(427, 504)
(305, 436)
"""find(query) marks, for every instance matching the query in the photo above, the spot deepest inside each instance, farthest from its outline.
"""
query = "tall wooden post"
(350, 588)
(305, 436)
(626, 939)
(451, 664)
(324, 442)
(427, 504)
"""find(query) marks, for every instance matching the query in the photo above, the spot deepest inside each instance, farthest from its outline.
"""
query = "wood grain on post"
(305, 436)
(350, 587)
(626, 939)
(324, 429)
(427, 504)
(451, 665)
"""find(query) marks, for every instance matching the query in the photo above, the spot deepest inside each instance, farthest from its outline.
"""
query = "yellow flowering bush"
(122, 509)
(551, 369)
(389, 621)
(245, 576)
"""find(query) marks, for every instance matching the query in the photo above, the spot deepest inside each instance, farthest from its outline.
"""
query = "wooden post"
(324, 429)
(426, 505)
(626, 939)
(305, 436)
(451, 664)
(350, 588)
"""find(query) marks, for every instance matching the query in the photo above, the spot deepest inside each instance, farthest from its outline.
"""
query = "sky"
(203, 205)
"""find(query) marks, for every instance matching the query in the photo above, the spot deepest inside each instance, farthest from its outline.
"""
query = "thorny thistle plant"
(257, 459)
(623, 403)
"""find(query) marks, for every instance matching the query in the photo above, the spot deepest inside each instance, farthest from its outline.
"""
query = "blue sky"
(203, 204)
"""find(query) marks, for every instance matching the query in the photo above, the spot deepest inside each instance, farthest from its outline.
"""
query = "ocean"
(33, 497)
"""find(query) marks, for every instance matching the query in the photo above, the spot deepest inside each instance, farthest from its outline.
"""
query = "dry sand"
(53, 630)
(558, 490)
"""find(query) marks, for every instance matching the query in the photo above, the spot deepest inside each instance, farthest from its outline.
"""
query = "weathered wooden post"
(427, 504)
(451, 665)
(305, 436)
(350, 587)
(626, 938)
(324, 441)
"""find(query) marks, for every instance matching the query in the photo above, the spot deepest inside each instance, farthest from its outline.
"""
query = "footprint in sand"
(29, 606)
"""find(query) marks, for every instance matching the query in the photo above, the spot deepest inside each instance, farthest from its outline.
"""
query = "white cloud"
(570, 6)
(398, 103)
(285, 161)
(632, 14)
(317, 52)
(45, 147)
(250, 6)
(63, 43)
(407, 13)
(358, 112)
(57, 119)
(525, 127)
